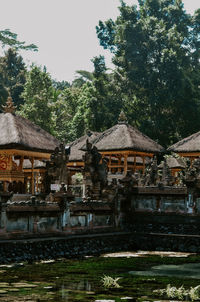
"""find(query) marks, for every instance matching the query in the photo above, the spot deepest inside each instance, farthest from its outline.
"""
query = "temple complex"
(128, 183)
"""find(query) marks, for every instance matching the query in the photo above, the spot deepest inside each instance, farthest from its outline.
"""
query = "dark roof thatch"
(188, 144)
(174, 163)
(75, 153)
(19, 133)
(122, 136)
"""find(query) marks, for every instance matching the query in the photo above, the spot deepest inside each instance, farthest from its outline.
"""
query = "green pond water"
(81, 279)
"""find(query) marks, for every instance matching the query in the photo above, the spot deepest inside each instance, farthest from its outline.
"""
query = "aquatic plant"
(109, 282)
(181, 293)
(195, 293)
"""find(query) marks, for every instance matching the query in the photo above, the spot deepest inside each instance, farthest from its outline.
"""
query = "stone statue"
(167, 179)
(151, 175)
(94, 172)
(57, 166)
(97, 170)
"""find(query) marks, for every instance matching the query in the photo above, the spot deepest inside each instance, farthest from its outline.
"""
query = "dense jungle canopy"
(156, 78)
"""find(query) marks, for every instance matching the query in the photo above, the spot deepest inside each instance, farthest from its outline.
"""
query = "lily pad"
(23, 285)
(12, 289)
(4, 284)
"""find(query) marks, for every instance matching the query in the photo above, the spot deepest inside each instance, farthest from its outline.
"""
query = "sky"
(63, 30)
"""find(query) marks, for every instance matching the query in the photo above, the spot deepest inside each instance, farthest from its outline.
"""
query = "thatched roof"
(174, 163)
(122, 136)
(19, 133)
(188, 144)
(75, 153)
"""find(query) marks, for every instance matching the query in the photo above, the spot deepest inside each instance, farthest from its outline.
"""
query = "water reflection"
(66, 288)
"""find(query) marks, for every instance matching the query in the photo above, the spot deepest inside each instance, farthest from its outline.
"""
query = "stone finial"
(9, 107)
(122, 118)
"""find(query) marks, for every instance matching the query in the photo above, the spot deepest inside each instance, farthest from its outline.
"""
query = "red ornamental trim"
(3, 165)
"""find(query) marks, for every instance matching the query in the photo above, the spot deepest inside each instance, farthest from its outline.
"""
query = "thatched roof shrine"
(123, 141)
(175, 164)
(21, 139)
(122, 136)
(189, 146)
(19, 133)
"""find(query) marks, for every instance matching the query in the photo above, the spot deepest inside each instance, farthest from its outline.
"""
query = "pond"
(127, 276)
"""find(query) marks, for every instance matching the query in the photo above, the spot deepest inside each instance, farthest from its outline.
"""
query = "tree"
(82, 77)
(3, 91)
(156, 53)
(50, 108)
(38, 96)
(13, 75)
(8, 38)
(99, 102)
(60, 85)
(64, 109)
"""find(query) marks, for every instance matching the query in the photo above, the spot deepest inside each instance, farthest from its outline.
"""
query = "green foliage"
(38, 96)
(13, 75)
(82, 76)
(63, 110)
(60, 85)
(8, 38)
(3, 91)
(156, 54)
(102, 102)
(53, 109)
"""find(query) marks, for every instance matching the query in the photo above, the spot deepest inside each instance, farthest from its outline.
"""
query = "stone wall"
(93, 245)
(28, 219)
(69, 247)
(164, 223)
(167, 242)
(153, 199)
(165, 204)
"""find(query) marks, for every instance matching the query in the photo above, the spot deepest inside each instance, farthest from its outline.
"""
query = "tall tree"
(13, 70)
(38, 95)
(64, 108)
(156, 53)
(99, 101)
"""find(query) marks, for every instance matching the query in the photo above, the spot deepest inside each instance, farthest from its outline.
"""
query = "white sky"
(63, 30)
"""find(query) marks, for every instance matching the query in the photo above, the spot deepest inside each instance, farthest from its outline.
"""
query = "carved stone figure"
(57, 166)
(95, 172)
(151, 175)
(167, 179)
